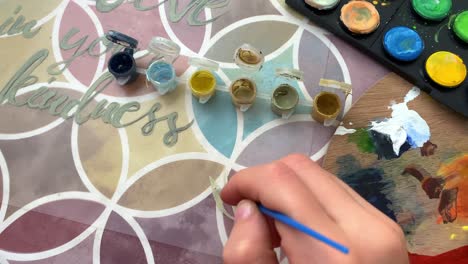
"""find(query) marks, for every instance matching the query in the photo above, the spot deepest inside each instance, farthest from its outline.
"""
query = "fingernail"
(244, 210)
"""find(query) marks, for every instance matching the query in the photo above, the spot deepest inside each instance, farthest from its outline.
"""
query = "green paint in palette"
(434, 10)
(460, 26)
(363, 140)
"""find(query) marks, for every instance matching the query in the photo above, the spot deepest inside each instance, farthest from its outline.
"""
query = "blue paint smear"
(217, 120)
(403, 43)
(371, 185)
(260, 113)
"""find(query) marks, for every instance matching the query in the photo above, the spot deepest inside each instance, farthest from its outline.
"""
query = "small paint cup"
(326, 108)
(161, 74)
(249, 58)
(243, 93)
(284, 101)
(122, 64)
(203, 82)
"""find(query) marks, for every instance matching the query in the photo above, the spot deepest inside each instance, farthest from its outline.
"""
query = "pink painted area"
(49, 226)
(364, 71)
(120, 244)
(190, 36)
(141, 25)
(81, 254)
(83, 67)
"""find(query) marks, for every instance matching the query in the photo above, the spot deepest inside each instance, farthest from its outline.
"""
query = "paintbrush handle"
(294, 224)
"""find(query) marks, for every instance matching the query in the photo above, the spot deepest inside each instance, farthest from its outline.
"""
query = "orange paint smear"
(455, 173)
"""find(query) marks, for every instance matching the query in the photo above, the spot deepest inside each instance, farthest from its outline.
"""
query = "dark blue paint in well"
(403, 43)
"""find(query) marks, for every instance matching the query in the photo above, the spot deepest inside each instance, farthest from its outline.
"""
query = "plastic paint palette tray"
(436, 35)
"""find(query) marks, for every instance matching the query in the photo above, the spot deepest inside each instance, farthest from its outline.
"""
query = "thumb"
(250, 240)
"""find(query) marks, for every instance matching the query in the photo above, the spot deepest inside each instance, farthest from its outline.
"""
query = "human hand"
(301, 189)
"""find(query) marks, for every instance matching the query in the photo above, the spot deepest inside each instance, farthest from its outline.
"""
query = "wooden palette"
(409, 204)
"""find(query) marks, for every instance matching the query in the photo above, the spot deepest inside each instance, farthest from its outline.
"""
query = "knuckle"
(278, 171)
(297, 158)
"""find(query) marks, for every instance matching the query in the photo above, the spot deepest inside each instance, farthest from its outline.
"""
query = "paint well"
(460, 26)
(435, 10)
(327, 106)
(202, 83)
(403, 43)
(446, 69)
(323, 4)
(360, 17)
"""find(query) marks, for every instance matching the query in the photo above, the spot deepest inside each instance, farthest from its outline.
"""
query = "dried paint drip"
(460, 26)
(323, 4)
(435, 10)
(360, 17)
(405, 127)
(403, 44)
(446, 69)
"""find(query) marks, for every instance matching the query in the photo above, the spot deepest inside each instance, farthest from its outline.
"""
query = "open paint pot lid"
(360, 17)
(323, 4)
(460, 26)
(164, 47)
(204, 64)
(446, 69)
(122, 39)
(403, 44)
(292, 74)
(248, 57)
(434, 10)
(243, 91)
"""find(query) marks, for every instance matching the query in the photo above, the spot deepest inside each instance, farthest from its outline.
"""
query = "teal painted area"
(217, 120)
(260, 113)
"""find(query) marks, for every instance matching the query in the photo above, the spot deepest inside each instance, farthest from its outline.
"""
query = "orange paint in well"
(360, 17)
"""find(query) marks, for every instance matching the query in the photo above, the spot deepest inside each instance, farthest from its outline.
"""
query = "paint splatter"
(405, 125)
(363, 140)
(341, 131)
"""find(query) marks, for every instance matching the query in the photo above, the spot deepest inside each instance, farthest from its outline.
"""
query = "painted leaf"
(39, 166)
(258, 34)
(120, 244)
(305, 137)
(49, 226)
(194, 230)
(171, 184)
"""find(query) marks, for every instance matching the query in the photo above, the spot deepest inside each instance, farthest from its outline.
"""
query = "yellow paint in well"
(202, 83)
(446, 69)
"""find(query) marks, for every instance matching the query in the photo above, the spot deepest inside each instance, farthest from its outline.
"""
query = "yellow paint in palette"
(446, 69)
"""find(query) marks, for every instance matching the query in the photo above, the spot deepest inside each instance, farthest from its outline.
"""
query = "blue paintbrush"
(294, 224)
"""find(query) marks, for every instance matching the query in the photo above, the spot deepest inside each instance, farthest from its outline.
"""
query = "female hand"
(301, 189)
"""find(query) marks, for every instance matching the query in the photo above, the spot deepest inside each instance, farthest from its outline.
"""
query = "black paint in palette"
(436, 36)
